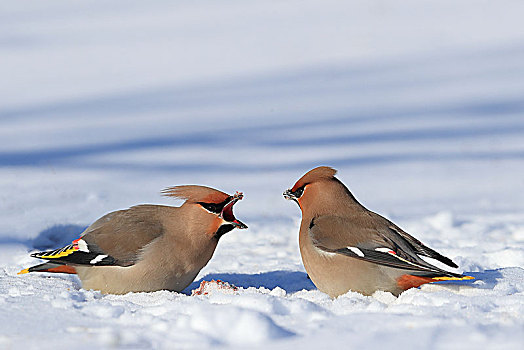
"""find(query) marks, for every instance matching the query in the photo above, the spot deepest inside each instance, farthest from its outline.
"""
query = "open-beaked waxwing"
(148, 247)
(344, 246)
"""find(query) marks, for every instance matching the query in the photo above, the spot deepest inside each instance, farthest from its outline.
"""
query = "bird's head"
(302, 189)
(213, 201)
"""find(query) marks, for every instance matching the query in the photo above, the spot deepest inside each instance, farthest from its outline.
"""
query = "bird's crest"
(317, 174)
(195, 194)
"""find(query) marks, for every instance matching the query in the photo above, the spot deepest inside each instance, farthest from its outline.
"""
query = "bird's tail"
(412, 281)
(49, 267)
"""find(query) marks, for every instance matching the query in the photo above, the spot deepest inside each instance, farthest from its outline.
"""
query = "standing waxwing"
(148, 247)
(346, 247)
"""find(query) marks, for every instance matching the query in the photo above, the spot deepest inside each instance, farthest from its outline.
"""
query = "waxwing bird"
(148, 247)
(344, 246)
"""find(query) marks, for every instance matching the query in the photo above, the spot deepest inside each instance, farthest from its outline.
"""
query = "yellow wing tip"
(446, 278)
(24, 271)
(58, 255)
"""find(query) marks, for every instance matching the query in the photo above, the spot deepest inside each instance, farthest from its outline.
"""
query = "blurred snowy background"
(418, 104)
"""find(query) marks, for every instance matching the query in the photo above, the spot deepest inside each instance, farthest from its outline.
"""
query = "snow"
(419, 106)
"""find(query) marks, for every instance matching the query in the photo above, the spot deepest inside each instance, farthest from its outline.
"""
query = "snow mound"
(236, 325)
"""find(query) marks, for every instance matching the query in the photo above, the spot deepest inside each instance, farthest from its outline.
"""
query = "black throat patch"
(223, 229)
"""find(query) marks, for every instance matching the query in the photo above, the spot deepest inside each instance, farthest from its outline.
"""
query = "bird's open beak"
(227, 212)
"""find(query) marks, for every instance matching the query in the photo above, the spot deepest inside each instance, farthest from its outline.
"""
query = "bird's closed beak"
(289, 195)
(227, 212)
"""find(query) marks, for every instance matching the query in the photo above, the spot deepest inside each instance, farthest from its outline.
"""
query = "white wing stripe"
(385, 250)
(98, 258)
(356, 251)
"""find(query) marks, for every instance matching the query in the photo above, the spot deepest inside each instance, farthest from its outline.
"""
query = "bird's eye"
(298, 193)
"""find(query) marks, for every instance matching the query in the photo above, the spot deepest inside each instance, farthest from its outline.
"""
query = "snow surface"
(418, 104)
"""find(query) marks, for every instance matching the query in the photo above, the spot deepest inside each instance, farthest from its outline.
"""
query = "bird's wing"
(115, 239)
(364, 240)
(416, 245)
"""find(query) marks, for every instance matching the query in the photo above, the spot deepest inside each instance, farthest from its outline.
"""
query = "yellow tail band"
(446, 278)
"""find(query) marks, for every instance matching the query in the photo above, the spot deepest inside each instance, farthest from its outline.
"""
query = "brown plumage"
(346, 247)
(148, 247)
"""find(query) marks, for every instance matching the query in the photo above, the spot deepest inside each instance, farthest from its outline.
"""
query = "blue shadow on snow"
(51, 238)
(290, 281)
(57, 236)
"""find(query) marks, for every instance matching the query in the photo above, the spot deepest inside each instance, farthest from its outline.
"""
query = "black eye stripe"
(298, 193)
(214, 207)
